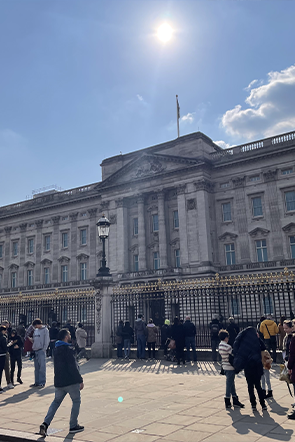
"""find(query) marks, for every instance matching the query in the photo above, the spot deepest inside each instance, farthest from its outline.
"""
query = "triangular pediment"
(82, 256)
(259, 231)
(29, 264)
(289, 227)
(63, 259)
(46, 261)
(227, 236)
(147, 166)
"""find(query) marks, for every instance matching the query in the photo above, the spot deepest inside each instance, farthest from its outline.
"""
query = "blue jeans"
(230, 388)
(265, 377)
(141, 346)
(127, 343)
(190, 341)
(40, 367)
(60, 394)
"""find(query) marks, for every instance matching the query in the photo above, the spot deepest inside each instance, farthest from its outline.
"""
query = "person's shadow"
(22, 396)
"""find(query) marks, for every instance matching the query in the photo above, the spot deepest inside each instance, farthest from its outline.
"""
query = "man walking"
(140, 330)
(190, 338)
(269, 329)
(67, 379)
(40, 343)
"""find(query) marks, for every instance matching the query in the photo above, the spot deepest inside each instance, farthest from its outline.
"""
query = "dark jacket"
(72, 330)
(233, 330)
(53, 333)
(66, 370)
(291, 359)
(127, 332)
(16, 351)
(177, 332)
(247, 352)
(165, 333)
(3, 345)
(214, 326)
(189, 329)
(140, 327)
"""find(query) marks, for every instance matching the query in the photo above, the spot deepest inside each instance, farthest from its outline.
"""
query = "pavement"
(161, 402)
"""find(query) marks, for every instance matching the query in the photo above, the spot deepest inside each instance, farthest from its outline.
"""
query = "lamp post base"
(103, 271)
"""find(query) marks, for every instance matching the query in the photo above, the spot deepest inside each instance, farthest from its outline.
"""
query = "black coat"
(165, 333)
(247, 352)
(233, 330)
(189, 329)
(14, 352)
(3, 345)
(53, 333)
(177, 332)
(127, 332)
(66, 370)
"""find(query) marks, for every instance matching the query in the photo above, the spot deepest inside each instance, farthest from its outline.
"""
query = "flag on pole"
(178, 115)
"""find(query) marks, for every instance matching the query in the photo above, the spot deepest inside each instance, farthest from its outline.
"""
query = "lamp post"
(103, 227)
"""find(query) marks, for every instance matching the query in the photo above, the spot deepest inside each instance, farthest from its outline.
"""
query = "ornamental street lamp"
(103, 227)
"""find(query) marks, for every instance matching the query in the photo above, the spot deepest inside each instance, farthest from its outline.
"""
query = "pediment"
(1, 269)
(64, 259)
(82, 256)
(13, 267)
(289, 227)
(259, 231)
(147, 166)
(29, 264)
(227, 236)
(46, 261)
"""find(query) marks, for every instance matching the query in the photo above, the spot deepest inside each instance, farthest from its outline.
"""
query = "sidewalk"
(161, 402)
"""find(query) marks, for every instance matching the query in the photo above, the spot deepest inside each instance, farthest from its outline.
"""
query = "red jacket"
(291, 360)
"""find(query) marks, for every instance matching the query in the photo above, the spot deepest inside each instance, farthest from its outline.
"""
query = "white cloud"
(188, 118)
(271, 108)
(139, 97)
(222, 144)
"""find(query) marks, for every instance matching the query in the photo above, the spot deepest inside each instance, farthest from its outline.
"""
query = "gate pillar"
(102, 347)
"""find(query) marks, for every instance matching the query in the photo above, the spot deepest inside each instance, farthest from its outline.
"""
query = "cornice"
(289, 227)
(259, 231)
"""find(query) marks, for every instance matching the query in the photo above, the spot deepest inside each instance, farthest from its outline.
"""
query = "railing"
(54, 285)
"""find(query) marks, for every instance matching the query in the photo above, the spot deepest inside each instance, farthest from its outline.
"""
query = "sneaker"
(19, 381)
(43, 429)
(254, 408)
(291, 416)
(33, 385)
(41, 385)
(76, 429)
(1, 390)
(10, 385)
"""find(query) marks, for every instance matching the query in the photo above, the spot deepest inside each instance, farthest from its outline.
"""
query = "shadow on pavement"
(16, 398)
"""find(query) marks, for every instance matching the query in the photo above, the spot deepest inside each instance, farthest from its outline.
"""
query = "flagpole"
(177, 115)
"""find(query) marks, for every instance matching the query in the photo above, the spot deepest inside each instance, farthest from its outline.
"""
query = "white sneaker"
(10, 385)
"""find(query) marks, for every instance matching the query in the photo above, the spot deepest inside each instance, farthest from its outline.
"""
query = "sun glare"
(164, 32)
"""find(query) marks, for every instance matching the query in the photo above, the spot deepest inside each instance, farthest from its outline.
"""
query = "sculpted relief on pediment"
(150, 166)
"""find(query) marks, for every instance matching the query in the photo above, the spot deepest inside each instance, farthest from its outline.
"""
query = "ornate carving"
(82, 256)
(227, 236)
(104, 205)
(140, 199)
(259, 231)
(23, 227)
(113, 219)
(7, 230)
(270, 175)
(119, 202)
(175, 243)
(56, 219)
(238, 181)
(74, 216)
(181, 189)
(150, 166)
(153, 208)
(63, 259)
(191, 204)
(92, 212)
(98, 307)
(46, 262)
(29, 264)
(13, 267)
(289, 227)
(39, 223)
(204, 185)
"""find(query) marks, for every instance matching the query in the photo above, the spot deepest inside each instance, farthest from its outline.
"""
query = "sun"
(165, 32)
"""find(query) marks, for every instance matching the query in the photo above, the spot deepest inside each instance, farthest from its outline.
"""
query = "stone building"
(178, 210)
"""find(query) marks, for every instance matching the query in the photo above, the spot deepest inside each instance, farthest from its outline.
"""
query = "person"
(177, 333)
(265, 378)
(119, 339)
(152, 333)
(3, 351)
(291, 368)
(72, 331)
(15, 346)
(53, 333)
(21, 331)
(230, 390)
(282, 332)
(67, 380)
(81, 336)
(289, 330)
(7, 326)
(165, 336)
(269, 329)
(233, 330)
(40, 343)
(214, 330)
(127, 336)
(140, 330)
(28, 345)
(247, 356)
(190, 338)
(262, 318)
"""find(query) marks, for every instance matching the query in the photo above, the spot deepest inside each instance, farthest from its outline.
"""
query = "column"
(7, 256)
(55, 248)
(162, 231)
(74, 242)
(39, 244)
(240, 210)
(181, 205)
(141, 234)
(22, 254)
(205, 247)
(93, 236)
(122, 237)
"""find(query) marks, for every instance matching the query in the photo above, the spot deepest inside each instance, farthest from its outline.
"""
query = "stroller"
(171, 352)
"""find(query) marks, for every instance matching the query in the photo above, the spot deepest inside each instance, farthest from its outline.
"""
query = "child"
(15, 349)
(225, 350)
(266, 362)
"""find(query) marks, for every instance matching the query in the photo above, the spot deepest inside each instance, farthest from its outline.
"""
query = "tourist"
(269, 329)
(152, 333)
(28, 345)
(165, 335)
(21, 331)
(282, 332)
(127, 336)
(265, 378)
(177, 333)
(40, 343)
(72, 331)
(81, 336)
(230, 390)
(233, 330)
(8, 329)
(15, 346)
(67, 379)
(3, 351)
(53, 333)
(190, 338)
(262, 318)
(291, 368)
(214, 326)
(119, 339)
(140, 330)
(247, 357)
(289, 330)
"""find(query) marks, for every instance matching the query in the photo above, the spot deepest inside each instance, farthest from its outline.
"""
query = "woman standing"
(289, 330)
(15, 346)
(152, 331)
(282, 332)
(3, 350)
(178, 335)
(127, 336)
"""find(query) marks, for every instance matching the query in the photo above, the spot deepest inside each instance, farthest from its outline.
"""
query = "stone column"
(141, 234)
(74, 245)
(203, 187)
(122, 237)
(240, 217)
(93, 238)
(55, 248)
(7, 256)
(102, 347)
(162, 230)
(39, 245)
(22, 254)
(181, 204)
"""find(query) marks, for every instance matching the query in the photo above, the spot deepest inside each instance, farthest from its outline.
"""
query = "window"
(135, 226)
(135, 263)
(287, 171)
(30, 277)
(230, 254)
(13, 279)
(175, 219)
(177, 257)
(235, 308)
(83, 237)
(65, 218)
(224, 185)
(47, 243)
(267, 304)
(84, 214)
(257, 206)
(226, 212)
(30, 245)
(292, 246)
(64, 240)
(254, 178)
(155, 223)
(261, 250)
(83, 271)
(15, 248)
(156, 261)
(64, 273)
(46, 275)
(290, 200)
(1, 250)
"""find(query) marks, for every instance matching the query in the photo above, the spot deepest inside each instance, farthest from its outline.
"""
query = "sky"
(84, 80)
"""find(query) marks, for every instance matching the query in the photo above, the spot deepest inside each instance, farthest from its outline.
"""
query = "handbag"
(172, 344)
(284, 375)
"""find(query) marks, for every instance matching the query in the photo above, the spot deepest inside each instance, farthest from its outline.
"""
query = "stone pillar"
(202, 188)
(141, 234)
(7, 256)
(55, 248)
(74, 245)
(102, 347)
(39, 245)
(22, 254)
(162, 230)
(181, 204)
(122, 237)
(241, 221)
(93, 238)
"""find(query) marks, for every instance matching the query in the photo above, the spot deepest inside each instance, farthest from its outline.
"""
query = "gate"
(246, 297)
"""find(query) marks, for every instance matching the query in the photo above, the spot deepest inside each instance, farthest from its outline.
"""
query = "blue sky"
(83, 80)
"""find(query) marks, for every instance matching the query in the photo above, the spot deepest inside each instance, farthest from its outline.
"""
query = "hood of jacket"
(61, 343)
